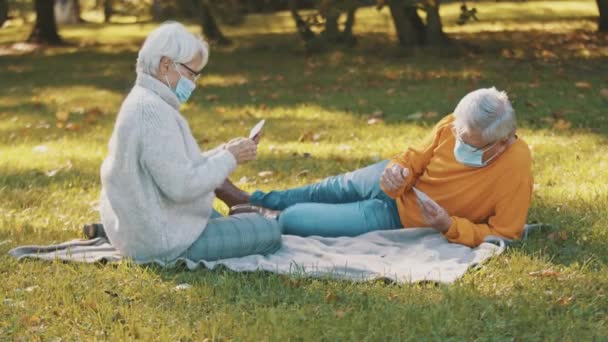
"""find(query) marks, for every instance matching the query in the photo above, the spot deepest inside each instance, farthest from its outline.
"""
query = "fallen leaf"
(377, 114)
(303, 173)
(73, 127)
(90, 119)
(111, 293)
(374, 121)
(265, 174)
(331, 297)
(604, 93)
(557, 236)
(340, 313)
(530, 104)
(583, 85)
(243, 180)
(562, 125)
(31, 288)
(558, 114)
(289, 282)
(43, 125)
(95, 111)
(544, 273)
(212, 98)
(390, 91)
(31, 321)
(430, 115)
(306, 136)
(62, 115)
(548, 54)
(565, 300)
(40, 149)
(182, 287)
(316, 137)
(52, 173)
(414, 116)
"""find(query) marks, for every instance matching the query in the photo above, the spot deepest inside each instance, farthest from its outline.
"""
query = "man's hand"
(393, 178)
(435, 216)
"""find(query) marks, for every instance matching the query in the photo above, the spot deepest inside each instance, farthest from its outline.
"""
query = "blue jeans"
(235, 236)
(345, 205)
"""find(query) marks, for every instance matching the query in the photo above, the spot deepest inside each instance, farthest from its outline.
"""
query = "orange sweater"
(491, 200)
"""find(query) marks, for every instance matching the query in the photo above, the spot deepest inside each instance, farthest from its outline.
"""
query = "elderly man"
(474, 169)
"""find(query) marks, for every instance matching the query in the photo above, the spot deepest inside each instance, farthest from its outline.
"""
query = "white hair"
(485, 111)
(171, 40)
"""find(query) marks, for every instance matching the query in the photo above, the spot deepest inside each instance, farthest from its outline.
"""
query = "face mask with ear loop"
(183, 88)
(471, 156)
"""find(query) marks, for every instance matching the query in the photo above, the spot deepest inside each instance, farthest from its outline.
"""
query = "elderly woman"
(157, 186)
(473, 167)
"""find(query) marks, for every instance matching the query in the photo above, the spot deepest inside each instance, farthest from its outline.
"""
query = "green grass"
(267, 75)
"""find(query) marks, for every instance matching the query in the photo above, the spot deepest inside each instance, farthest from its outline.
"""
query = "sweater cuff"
(226, 158)
(452, 232)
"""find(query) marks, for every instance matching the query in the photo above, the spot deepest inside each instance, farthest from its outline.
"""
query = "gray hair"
(486, 111)
(171, 40)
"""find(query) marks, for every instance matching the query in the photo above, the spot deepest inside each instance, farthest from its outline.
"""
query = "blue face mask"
(183, 88)
(471, 156)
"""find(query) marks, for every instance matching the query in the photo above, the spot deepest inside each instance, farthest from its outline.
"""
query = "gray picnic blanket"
(402, 255)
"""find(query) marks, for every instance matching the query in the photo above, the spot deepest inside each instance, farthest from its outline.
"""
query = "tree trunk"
(303, 29)
(209, 26)
(45, 29)
(67, 12)
(434, 27)
(408, 24)
(3, 11)
(602, 22)
(331, 32)
(108, 10)
(347, 34)
(157, 10)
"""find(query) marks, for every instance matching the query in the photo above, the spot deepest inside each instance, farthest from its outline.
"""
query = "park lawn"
(553, 286)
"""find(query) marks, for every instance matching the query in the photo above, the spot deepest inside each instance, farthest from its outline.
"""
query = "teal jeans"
(345, 205)
(235, 236)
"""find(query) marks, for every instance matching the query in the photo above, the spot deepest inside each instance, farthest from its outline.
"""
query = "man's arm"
(231, 195)
(417, 159)
(508, 221)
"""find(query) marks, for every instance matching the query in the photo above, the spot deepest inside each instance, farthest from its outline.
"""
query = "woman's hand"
(242, 149)
(393, 178)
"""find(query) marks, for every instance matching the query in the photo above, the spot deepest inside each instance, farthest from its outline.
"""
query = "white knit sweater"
(157, 186)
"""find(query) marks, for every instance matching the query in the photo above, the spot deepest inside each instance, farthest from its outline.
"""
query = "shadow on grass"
(355, 82)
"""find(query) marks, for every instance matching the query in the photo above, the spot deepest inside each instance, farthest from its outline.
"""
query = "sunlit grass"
(49, 178)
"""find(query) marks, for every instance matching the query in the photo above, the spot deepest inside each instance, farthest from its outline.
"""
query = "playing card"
(256, 129)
